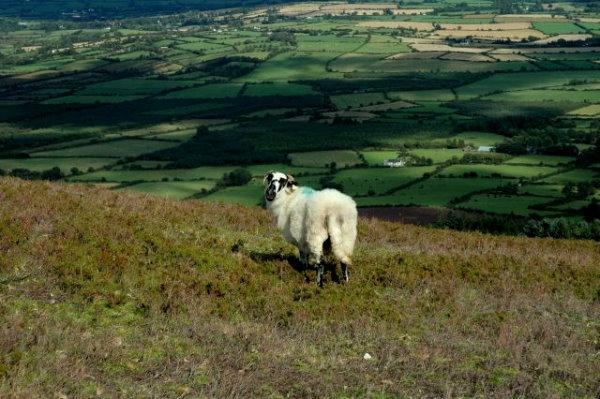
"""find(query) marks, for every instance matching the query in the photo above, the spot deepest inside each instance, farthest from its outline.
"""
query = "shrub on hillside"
(237, 177)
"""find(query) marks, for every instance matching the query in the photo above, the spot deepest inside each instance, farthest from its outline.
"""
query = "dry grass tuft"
(107, 294)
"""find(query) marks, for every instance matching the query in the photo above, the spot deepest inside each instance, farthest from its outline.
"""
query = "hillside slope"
(120, 295)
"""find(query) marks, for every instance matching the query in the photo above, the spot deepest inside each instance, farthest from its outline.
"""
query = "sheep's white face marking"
(275, 182)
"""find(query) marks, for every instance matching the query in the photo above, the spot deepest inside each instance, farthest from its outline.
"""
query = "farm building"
(395, 163)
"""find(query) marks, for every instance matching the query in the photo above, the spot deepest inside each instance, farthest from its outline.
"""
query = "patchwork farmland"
(440, 105)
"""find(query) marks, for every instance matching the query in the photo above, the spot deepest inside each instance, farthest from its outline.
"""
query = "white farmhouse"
(395, 163)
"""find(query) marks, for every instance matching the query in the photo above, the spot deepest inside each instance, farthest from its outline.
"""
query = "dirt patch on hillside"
(404, 214)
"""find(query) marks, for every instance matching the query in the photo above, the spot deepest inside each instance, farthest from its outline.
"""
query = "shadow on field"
(297, 265)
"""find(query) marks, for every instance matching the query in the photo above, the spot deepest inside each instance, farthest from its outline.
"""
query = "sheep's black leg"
(320, 271)
(345, 271)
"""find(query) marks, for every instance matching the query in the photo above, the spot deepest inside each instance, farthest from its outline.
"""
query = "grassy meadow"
(122, 294)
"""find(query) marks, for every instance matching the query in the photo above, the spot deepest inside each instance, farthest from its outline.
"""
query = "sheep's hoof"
(345, 272)
(320, 271)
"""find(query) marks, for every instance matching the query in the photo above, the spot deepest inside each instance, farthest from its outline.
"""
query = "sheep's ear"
(268, 177)
(291, 182)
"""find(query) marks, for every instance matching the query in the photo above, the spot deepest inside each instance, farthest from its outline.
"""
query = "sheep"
(308, 218)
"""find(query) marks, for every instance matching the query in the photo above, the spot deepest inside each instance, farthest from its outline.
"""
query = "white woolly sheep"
(309, 217)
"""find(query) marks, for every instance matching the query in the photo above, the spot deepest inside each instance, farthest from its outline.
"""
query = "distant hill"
(115, 8)
(106, 294)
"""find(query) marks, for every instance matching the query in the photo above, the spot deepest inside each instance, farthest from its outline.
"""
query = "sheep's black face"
(275, 182)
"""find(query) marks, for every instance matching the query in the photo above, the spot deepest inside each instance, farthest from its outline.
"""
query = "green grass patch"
(437, 65)
(204, 47)
(203, 172)
(343, 101)
(248, 195)
(422, 95)
(579, 96)
(292, 66)
(432, 192)
(209, 91)
(115, 149)
(544, 190)
(180, 135)
(261, 170)
(438, 155)
(477, 138)
(133, 87)
(522, 81)
(133, 55)
(383, 48)
(342, 158)
(328, 43)
(377, 158)
(83, 99)
(172, 189)
(65, 164)
(573, 176)
(503, 170)
(573, 205)
(515, 204)
(557, 28)
(369, 181)
(550, 160)
(278, 89)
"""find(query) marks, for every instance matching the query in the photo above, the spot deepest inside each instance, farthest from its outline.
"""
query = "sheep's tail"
(342, 233)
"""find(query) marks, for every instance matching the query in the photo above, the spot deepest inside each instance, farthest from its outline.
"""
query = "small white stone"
(367, 356)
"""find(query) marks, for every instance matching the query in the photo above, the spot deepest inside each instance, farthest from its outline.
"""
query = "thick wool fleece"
(308, 217)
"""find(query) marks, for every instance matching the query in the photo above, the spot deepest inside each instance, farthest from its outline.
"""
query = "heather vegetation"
(107, 294)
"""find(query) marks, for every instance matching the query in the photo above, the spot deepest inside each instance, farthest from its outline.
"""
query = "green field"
(83, 99)
(249, 195)
(588, 96)
(476, 138)
(438, 155)
(432, 192)
(172, 189)
(65, 164)
(181, 135)
(522, 81)
(378, 180)
(545, 190)
(329, 43)
(111, 149)
(519, 205)
(261, 170)
(557, 28)
(278, 89)
(204, 172)
(344, 101)
(540, 160)
(422, 95)
(342, 159)
(505, 171)
(573, 176)
(377, 158)
(292, 66)
(216, 90)
(132, 87)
